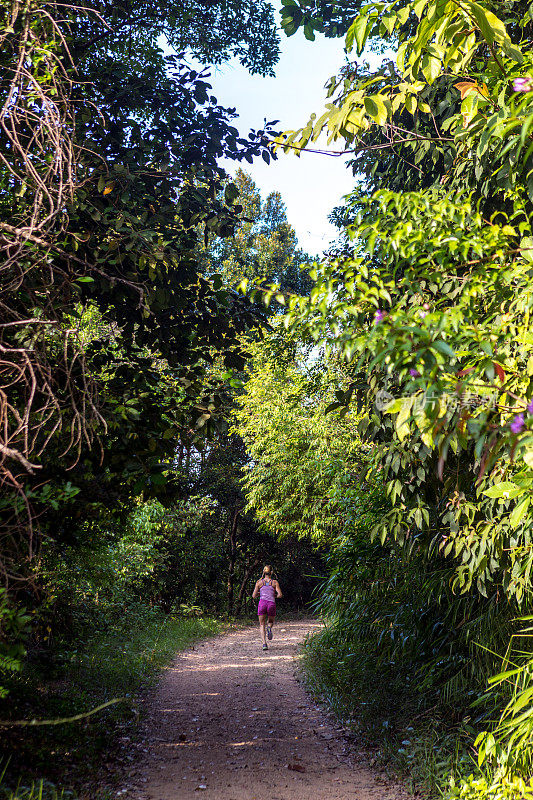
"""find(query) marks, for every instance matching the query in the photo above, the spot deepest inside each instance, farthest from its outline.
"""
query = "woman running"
(267, 589)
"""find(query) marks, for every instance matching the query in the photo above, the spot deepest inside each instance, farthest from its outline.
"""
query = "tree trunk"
(232, 558)
(243, 585)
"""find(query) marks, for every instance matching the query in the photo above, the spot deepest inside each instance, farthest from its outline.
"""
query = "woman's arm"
(277, 588)
(255, 595)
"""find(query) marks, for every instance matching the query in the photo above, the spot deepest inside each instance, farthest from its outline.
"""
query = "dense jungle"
(188, 395)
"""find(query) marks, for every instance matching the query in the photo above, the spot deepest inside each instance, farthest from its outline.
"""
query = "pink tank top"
(267, 592)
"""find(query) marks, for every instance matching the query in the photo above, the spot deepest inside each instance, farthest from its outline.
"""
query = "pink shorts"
(265, 607)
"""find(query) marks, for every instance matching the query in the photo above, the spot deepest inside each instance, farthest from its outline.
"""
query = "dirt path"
(230, 722)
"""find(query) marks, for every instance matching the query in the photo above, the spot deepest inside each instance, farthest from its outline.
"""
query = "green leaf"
(505, 489)
(395, 405)
(502, 676)
(357, 32)
(389, 21)
(526, 248)
(492, 28)
(402, 424)
(375, 108)
(443, 348)
(528, 458)
(431, 67)
(411, 104)
(419, 6)
(519, 512)
(309, 32)
(231, 192)
(511, 51)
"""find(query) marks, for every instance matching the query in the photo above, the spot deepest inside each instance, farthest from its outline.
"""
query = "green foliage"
(429, 303)
(263, 248)
(111, 229)
(446, 345)
(240, 543)
(304, 474)
(40, 790)
(509, 788)
(116, 657)
(155, 554)
(14, 631)
(317, 15)
(216, 32)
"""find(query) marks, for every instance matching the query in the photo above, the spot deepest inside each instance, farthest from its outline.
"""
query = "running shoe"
(269, 632)
(265, 647)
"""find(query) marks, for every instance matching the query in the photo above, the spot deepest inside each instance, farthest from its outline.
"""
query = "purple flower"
(414, 373)
(380, 316)
(523, 84)
(530, 407)
(422, 314)
(518, 423)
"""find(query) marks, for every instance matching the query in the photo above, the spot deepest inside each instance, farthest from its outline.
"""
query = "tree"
(430, 302)
(416, 257)
(332, 18)
(264, 248)
(109, 176)
(305, 468)
(245, 539)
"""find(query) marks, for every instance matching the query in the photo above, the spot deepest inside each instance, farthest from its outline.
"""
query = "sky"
(312, 185)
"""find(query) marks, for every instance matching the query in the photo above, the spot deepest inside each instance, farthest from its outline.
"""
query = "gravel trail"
(231, 722)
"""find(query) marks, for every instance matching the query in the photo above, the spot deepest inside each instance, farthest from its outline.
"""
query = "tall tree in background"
(264, 248)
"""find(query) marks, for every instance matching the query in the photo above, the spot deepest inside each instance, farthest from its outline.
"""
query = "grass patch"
(121, 658)
(376, 701)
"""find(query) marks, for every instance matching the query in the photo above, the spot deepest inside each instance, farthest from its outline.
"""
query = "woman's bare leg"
(262, 627)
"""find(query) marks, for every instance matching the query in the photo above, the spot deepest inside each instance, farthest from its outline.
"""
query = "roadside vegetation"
(185, 393)
(123, 534)
(117, 658)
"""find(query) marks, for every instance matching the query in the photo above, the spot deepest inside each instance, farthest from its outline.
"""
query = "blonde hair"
(269, 572)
